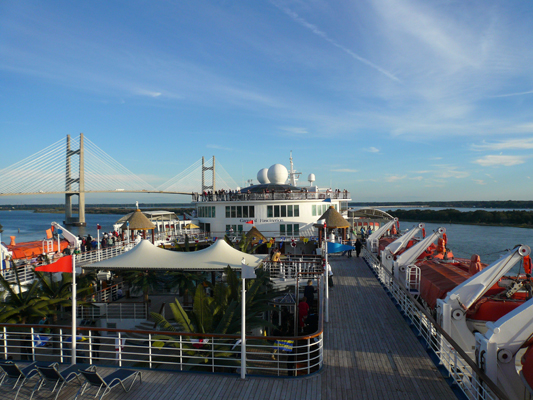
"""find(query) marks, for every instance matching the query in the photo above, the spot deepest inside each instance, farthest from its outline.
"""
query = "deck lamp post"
(326, 272)
(247, 272)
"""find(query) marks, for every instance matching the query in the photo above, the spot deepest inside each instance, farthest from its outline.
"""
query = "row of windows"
(284, 229)
(240, 211)
(206, 212)
(318, 209)
(283, 211)
(272, 211)
(289, 229)
(233, 229)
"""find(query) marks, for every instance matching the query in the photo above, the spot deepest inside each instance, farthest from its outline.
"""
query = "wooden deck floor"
(370, 353)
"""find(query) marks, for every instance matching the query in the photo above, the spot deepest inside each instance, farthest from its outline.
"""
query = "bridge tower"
(204, 168)
(80, 180)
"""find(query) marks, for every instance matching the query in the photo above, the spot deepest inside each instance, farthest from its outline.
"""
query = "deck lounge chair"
(50, 374)
(109, 382)
(14, 373)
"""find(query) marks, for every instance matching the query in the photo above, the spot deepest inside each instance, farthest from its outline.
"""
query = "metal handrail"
(453, 357)
(212, 352)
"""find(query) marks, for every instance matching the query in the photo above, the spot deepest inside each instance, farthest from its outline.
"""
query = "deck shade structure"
(146, 256)
(334, 220)
(255, 236)
(137, 221)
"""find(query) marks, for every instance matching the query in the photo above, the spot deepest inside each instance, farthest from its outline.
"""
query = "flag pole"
(73, 355)
(326, 278)
(243, 329)
(247, 272)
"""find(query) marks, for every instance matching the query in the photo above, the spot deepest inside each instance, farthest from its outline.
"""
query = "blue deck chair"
(12, 372)
(51, 375)
(92, 378)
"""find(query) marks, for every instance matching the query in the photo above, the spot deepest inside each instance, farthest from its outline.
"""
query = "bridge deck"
(370, 353)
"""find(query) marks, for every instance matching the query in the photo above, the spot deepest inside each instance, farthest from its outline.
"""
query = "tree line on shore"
(479, 217)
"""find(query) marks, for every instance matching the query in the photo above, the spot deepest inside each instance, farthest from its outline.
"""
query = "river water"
(464, 240)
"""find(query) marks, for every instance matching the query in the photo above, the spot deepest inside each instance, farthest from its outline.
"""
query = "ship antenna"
(293, 175)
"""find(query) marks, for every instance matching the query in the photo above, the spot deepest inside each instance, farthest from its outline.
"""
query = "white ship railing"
(198, 197)
(142, 349)
(115, 310)
(25, 274)
(460, 368)
(292, 268)
(93, 256)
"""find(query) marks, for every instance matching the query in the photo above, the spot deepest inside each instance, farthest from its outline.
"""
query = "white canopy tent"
(147, 256)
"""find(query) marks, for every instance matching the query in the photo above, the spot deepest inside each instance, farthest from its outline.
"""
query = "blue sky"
(392, 100)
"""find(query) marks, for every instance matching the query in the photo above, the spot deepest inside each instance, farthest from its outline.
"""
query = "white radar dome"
(262, 176)
(311, 178)
(278, 174)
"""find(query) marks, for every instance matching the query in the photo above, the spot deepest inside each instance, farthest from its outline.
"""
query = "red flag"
(64, 264)
(250, 222)
(98, 226)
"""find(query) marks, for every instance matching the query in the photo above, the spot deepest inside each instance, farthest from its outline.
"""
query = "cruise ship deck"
(369, 353)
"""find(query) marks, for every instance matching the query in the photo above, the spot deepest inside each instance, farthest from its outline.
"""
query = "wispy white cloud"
(217, 147)
(344, 170)
(497, 160)
(322, 34)
(449, 171)
(510, 144)
(294, 130)
(371, 150)
(395, 178)
(417, 178)
(149, 93)
(479, 181)
(514, 94)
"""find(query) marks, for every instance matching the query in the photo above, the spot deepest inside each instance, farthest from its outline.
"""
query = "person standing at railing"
(309, 293)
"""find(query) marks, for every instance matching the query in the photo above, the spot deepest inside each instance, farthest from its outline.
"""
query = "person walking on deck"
(358, 246)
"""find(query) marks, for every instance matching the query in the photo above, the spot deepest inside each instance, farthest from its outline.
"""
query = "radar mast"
(293, 174)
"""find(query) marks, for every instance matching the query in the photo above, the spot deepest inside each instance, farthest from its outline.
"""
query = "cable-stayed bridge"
(77, 166)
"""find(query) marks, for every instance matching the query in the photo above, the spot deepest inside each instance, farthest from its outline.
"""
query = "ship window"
(282, 229)
(283, 211)
(213, 214)
(251, 211)
(313, 210)
(239, 228)
(228, 212)
(289, 211)
(296, 210)
(289, 229)
(245, 212)
(276, 211)
(269, 212)
(239, 211)
(296, 229)
(233, 212)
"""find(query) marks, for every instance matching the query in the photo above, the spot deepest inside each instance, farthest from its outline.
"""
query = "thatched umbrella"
(255, 236)
(335, 220)
(139, 222)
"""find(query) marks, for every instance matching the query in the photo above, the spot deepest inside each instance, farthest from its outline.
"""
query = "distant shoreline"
(516, 219)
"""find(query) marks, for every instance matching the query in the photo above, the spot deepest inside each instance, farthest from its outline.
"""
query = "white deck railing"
(183, 351)
(292, 268)
(115, 310)
(460, 368)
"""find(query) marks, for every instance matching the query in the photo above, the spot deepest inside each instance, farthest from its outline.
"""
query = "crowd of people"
(89, 243)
